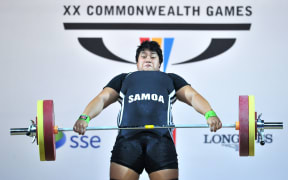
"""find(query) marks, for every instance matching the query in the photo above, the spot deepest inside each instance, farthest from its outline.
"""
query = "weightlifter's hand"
(214, 123)
(80, 126)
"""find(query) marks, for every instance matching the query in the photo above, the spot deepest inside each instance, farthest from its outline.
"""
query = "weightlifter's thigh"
(119, 172)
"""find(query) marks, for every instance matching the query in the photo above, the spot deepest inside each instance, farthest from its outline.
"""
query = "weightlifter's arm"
(106, 97)
(191, 97)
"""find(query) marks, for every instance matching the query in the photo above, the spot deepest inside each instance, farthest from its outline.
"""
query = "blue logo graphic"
(60, 139)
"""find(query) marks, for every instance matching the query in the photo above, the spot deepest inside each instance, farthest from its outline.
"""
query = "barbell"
(249, 126)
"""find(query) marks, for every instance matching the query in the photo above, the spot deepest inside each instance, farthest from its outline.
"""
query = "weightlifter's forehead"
(147, 51)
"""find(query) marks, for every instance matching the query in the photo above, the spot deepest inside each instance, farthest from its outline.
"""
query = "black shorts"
(145, 150)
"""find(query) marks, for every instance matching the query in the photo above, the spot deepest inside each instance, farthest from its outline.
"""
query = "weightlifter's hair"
(151, 46)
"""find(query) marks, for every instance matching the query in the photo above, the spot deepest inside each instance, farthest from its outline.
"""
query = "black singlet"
(146, 98)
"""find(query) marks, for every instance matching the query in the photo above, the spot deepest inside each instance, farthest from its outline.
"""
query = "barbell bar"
(24, 131)
(266, 125)
(249, 126)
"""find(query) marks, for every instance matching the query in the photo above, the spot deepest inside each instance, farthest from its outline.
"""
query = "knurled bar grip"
(148, 127)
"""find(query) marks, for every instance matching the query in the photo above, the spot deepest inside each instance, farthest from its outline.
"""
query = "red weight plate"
(244, 126)
(49, 138)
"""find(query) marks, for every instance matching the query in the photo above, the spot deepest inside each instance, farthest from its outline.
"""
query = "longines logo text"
(231, 140)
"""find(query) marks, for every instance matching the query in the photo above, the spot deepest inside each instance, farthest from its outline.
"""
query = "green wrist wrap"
(84, 117)
(210, 114)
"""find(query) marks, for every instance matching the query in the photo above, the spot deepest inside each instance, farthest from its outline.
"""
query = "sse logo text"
(85, 142)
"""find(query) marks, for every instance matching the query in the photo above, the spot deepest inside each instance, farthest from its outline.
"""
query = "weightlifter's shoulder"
(116, 82)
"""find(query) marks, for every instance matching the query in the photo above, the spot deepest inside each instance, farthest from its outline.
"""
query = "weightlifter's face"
(148, 61)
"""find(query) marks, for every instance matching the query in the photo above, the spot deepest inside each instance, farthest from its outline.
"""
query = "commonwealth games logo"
(215, 47)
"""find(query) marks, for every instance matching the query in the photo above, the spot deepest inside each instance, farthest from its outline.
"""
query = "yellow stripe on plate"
(251, 125)
(40, 129)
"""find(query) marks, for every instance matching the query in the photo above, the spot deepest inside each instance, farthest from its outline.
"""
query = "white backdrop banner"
(69, 50)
